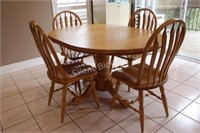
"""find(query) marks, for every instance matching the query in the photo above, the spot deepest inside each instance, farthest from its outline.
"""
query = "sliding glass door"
(191, 45)
(189, 11)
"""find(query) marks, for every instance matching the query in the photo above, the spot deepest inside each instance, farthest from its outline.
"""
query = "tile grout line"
(179, 112)
(182, 95)
(27, 106)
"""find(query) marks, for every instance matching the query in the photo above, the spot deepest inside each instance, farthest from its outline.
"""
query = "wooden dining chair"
(66, 74)
(143, 18)
(151, 72)
(66, 19)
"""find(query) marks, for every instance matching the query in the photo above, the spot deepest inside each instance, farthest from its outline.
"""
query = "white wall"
(17, 43)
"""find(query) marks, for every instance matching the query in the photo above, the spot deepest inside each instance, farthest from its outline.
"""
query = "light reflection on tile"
(192, 111)
(14, 116)
(187, 91)
(183, 124)
(28, 126)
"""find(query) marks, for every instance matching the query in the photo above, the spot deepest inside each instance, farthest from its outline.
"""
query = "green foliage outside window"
(193, 19)
(192, 16)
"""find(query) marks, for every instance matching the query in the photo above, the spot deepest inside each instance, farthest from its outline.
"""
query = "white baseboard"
(22, 65)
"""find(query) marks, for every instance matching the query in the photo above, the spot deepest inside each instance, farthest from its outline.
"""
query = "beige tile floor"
(24, 95)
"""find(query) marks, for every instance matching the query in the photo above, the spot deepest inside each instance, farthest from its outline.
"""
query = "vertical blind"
(77, 6)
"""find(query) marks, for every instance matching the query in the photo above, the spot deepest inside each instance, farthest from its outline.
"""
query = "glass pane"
(166, 9)
(191, 45)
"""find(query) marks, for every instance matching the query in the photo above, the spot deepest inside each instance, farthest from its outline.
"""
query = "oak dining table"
(102, 40)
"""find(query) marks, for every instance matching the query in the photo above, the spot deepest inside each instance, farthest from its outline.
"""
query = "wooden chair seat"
(73, 55)
(129, 76)
(73, 71)
(130, 57)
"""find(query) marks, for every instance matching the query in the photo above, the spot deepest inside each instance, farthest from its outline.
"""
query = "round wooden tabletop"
(102, 39)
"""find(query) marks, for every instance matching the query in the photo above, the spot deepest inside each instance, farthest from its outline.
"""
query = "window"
(77, 6)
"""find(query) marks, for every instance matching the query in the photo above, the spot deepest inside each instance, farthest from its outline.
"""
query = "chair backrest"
(143, 18)
(65, 19)
(47, 51)
(164, 44)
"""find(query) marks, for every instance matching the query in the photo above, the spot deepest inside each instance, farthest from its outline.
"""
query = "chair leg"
(94, 92)
(141, 111)
(65, 60)
(78, 85)
(164, 100)
(129, 88)
(129, 64)
(115, 94)
(111, 62)
(51, 92)
(94, 58)
(63, 102)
